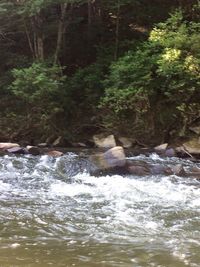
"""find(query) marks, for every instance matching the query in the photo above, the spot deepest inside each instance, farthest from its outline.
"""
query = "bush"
(156, 86)
(40, 90)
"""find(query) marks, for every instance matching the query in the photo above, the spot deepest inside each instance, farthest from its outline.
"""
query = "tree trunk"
(38, 37)
(61, 30)
(117, 31)
(29, 40)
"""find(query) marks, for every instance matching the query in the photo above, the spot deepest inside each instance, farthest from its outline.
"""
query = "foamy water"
(53, 213)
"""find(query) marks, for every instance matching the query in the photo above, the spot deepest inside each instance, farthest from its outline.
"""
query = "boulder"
(104, 142)
(54, 153)
(192, 146)
(114, 157)
(4, 146)
(33, 150)
(125, 142)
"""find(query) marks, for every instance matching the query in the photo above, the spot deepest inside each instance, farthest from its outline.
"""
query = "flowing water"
(53, 213)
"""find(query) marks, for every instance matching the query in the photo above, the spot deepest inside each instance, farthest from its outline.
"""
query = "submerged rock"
(139, 168)
(178, 170)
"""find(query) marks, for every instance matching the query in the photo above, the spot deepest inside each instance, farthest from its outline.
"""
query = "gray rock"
(16, 150)
(170, 152)
(138, 168)
(159, 169)
(114, 157)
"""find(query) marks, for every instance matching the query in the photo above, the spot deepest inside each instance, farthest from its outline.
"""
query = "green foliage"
(41, 89)
(37, 82)
(83, 91)
(166, 69)
(153, 84)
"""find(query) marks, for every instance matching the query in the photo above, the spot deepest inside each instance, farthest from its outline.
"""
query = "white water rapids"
(53, 213)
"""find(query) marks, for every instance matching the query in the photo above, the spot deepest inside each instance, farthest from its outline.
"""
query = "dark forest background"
(80, 67)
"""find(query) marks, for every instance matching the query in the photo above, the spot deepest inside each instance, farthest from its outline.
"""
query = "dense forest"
(74, 68)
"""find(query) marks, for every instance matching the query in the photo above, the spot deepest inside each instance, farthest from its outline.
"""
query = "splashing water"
(53, 213)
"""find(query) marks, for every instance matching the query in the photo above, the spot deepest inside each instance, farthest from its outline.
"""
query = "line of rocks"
(15, 148)
(114, 161)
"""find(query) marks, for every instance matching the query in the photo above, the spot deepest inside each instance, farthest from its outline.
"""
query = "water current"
(53, 213)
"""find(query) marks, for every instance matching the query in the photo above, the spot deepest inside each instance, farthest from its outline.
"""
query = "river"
(53, 213)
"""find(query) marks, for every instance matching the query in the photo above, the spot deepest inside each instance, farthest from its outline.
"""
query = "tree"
(157, 79)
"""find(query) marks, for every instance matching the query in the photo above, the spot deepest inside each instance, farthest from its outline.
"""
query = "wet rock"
(138, 168)
(159, 169)
(16, 150)
(54, 153)
(195, 169)
(194, 172)
(114, 157)
(102, 141)
(142, 168)
(170, 152)
(4, 146)
(33, 150)
(125, 142)
(178, 170)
